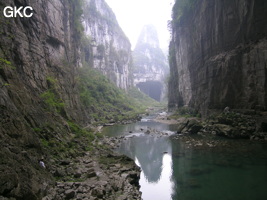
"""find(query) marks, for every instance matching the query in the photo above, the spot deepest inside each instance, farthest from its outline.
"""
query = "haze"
(132, 15)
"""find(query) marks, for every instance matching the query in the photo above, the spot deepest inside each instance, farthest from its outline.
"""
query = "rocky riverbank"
(234, 124)
(97, 174)
(103, 174)
(164, 117)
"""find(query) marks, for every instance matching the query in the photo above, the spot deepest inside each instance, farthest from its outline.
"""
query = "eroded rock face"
(31, 50)
(111, 48)
(150, 64)
(218, 56)
(40, 57)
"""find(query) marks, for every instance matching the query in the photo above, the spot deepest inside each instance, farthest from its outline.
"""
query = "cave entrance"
(152, 88)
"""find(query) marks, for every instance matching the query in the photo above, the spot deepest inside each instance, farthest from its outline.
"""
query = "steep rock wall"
(40, 58)
(111, 48)
(218, 55)
(33, 52)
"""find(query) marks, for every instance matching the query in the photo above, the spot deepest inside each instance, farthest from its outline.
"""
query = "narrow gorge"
(150, 64)
(87, 113)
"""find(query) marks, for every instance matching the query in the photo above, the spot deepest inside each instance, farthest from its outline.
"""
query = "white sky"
(132, 15)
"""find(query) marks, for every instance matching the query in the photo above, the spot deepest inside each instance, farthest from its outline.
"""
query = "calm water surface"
(172, 169)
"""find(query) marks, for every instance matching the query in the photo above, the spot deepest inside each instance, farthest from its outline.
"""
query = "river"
(198, 167)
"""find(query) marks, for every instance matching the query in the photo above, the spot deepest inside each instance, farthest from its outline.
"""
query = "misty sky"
(132, 15)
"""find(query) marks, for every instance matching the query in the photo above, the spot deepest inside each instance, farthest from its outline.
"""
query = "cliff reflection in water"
(187, 168)
(153, 155)
(149, 153)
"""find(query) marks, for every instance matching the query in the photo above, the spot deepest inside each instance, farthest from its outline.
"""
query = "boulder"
(190, 126)
(69, 194)
(223, 130)
(194, 126)
(182, 126)
(91, 174)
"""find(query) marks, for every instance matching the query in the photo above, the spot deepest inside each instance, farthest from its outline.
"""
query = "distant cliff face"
(218, 54)
(111, 48)
(150, 64)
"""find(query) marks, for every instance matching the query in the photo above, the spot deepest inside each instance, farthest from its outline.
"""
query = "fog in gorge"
(146, 25)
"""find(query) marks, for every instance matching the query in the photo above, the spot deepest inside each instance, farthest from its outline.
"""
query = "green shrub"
(45, 143)
(5, 63)
(54, 103)
(80, 132)
(51, 80)
(37, 130)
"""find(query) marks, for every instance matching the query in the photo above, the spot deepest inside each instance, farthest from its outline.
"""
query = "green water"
(172, 169)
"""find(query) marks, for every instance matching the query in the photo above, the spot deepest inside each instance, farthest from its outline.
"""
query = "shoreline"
(98, 174)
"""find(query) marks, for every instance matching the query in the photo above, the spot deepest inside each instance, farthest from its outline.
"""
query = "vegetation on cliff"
(180, 8)
(107, 102)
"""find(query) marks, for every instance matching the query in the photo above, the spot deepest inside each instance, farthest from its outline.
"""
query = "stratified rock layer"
(218, 55)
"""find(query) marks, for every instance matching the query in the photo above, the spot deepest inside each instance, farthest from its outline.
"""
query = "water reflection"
(153, 155)
(172, 169)
(163, 188)
(235, 171)
(149, 151)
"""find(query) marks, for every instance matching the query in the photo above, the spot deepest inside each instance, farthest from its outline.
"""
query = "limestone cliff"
(218, 54)
(150, 64)
(111, 48)
(33, 52)
(41, 58)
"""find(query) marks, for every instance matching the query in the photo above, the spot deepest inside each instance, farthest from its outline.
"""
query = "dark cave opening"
(152, 88)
